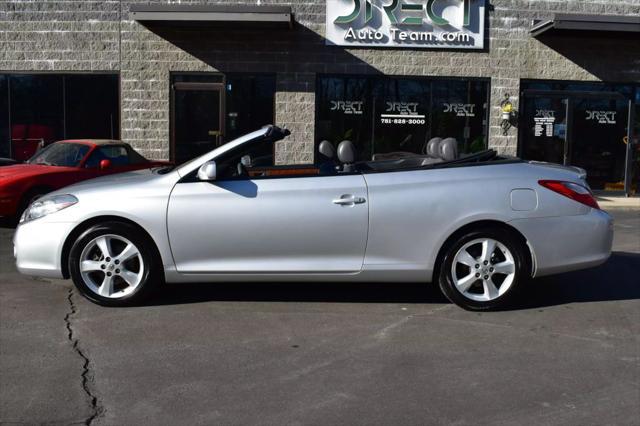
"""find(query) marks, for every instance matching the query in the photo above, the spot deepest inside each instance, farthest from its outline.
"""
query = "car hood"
(115, 182)
(20, 171)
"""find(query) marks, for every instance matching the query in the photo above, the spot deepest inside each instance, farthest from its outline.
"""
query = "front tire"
(484, 269)
(114, 264)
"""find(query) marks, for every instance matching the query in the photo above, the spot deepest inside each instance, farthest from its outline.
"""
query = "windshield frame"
(266, 132)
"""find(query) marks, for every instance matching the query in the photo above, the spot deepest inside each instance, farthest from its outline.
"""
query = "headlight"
(47, 205)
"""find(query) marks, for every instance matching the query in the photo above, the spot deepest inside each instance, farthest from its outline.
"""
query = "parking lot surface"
(276, 354)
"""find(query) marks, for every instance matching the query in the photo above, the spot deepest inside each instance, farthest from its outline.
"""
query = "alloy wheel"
(111, 266)
(483, 270)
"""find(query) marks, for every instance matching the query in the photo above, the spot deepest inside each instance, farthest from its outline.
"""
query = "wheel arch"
(483, 224)
(82, 227)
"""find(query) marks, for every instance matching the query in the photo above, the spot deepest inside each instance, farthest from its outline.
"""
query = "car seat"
(449, 149)
(326, 157)
(347, 156)
(433, 147)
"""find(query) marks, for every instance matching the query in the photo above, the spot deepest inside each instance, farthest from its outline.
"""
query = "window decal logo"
(602, 117)
(348, 107)
(460, 110)
(402, 113)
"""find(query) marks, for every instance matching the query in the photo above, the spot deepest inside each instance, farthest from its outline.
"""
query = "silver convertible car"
(480, 226)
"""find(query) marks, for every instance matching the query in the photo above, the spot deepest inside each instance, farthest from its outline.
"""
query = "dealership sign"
(411, 24)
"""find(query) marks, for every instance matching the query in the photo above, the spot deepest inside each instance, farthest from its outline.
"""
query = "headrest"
(433, 148)
(449, 149)
(346, 152)
(327, 150)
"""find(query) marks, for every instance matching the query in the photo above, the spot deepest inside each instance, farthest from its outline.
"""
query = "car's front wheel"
(483, 269)
(114, 264)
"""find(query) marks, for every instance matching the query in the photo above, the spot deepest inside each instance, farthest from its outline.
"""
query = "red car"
(64, 163)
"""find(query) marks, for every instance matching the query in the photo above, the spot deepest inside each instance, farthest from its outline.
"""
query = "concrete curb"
(608, 202)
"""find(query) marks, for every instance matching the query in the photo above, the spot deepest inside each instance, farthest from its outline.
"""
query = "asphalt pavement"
(326, 354)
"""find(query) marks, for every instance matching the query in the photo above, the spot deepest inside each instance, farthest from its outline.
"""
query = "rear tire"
(484, 269)
(114, 264)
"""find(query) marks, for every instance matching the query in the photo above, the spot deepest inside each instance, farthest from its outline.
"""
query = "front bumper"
(37, 247)
(568, 243)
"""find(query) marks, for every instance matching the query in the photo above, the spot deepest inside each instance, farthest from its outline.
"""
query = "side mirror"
(105, 164)
(207, 172)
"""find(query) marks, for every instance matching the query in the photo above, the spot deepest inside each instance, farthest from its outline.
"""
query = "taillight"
(572, 190)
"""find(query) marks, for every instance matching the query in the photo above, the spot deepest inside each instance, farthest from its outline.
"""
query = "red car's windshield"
(61, 154)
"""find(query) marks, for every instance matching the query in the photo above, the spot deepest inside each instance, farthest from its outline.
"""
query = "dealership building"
(555, 81)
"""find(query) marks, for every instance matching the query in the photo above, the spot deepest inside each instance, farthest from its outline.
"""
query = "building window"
(38, 109)
(580, 124)
(395, 116)
(210, 109)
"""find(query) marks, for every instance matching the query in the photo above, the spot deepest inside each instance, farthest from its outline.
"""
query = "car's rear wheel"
(114, 264)
(484, 269)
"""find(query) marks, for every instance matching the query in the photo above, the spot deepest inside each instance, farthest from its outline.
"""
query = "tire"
(474, 285)
(114, 264)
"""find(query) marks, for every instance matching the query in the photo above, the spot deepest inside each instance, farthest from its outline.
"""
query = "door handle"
(349, 200)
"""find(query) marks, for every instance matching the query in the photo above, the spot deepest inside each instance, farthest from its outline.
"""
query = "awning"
(212, 14)
(595, 25)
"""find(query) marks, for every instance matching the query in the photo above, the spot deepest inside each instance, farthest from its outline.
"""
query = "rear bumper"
(568, 243)
(37, 247)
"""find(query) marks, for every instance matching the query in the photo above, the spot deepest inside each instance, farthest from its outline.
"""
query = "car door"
(269, 225)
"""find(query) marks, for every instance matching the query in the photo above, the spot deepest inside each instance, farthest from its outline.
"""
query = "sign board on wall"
(410, 24)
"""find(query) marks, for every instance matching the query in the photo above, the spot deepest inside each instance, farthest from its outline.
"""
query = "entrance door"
(586, 130)
(544, 138)
(599, 127)
(197, 119)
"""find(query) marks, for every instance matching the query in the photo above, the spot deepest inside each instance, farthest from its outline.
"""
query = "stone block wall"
(89, 36)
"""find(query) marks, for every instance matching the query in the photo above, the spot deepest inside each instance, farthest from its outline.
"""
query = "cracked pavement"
(326, 353)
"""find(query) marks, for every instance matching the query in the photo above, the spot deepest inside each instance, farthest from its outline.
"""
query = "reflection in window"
(250, 103)
(394, 117)
(48, 107)
(37, 113)
(343, 112)
(91, 106)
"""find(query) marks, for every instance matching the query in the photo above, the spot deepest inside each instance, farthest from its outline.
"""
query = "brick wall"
(72, 35)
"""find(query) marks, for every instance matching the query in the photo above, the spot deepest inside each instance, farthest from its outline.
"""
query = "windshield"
(61, 154)
(224, 148)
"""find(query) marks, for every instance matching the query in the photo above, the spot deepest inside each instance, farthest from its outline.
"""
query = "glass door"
(544, 135)
(575, 129)
(197, 119)
(599, 127)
